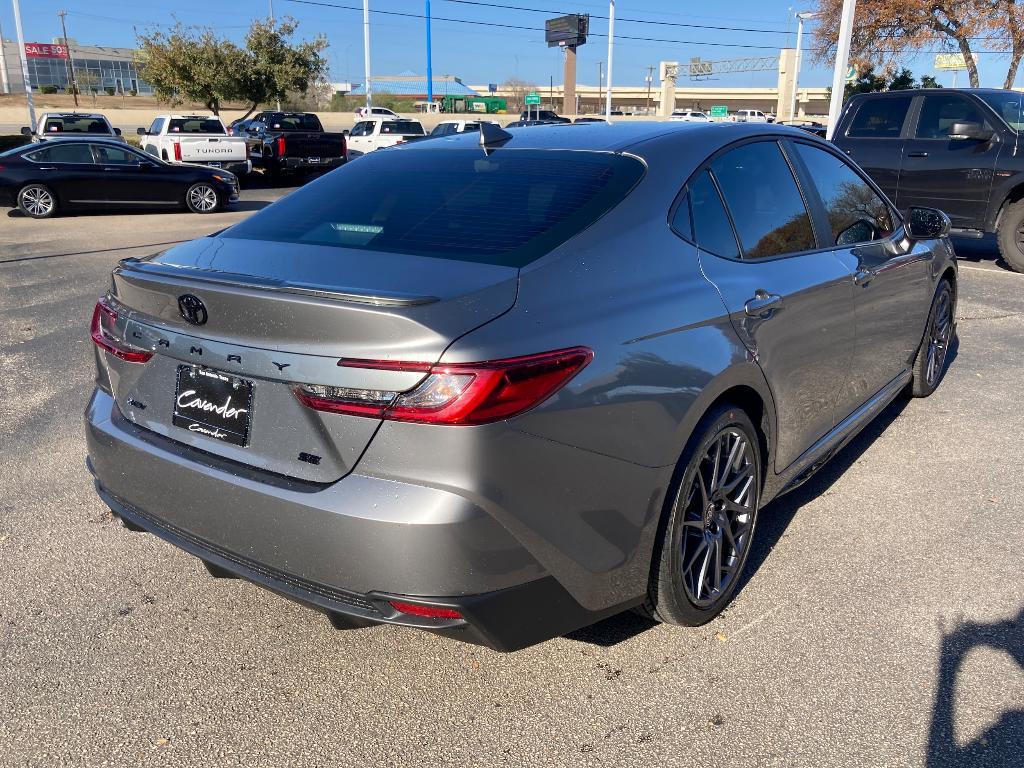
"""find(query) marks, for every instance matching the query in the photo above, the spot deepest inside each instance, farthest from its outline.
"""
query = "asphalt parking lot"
(881, 622)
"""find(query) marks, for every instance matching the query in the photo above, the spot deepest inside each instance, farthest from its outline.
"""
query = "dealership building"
(96, 67)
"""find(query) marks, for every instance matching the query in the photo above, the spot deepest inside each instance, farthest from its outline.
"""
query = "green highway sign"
(720, 111)
(532, 98)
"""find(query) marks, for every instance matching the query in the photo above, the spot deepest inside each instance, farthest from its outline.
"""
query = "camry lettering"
(200, 404)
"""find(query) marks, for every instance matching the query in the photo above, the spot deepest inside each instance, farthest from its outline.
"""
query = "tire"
(711, 521)
(202, 197)
(939, 334)
(1010, 236)
(37, 201)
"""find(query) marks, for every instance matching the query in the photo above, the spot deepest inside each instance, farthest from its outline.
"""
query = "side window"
(359, 129)
(156, 127)
(711, 228)
(880, 118)
(72, 152)
(114, 155)
(856, 214)
(764, 200)
(939, 112)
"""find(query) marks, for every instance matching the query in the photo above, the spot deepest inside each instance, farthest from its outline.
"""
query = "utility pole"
(611, 45)
(430, 68)
(70, 61)
(24, 66)
(4, 82)
(650, 79)
(366, 51)
(842, 60)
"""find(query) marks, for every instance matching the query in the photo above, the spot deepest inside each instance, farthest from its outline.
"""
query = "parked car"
(449, 128)
(818, 129)
(385, 404)
(72, 125)
(199, 139)
(528, 123)
(952, 149)
(379, 132)
(590, 120)
(293, 143)
(689, 116)
(543, 115)
(364, 112)
(104, 174)
(748, 116)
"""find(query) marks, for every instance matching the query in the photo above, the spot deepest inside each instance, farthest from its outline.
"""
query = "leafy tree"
(190, 64)
(885, 30)
(902, 81)
(927, 81)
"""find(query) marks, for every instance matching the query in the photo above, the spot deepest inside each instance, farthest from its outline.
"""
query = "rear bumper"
(342, 548)
(302, 164)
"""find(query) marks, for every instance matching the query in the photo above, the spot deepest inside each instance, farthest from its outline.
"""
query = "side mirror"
(117, 131)
(140, 131)
(970, 132)
(345, 132)
(926, 223)
(26, 131)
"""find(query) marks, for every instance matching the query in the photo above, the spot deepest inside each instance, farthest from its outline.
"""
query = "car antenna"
(492, 136)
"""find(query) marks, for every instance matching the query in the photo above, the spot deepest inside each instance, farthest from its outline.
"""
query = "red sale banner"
(45, 51)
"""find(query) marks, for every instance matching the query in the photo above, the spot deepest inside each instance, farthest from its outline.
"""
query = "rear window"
(195, 125)
(880, 118)
(403, 127)
(507, 208)
(75, 124)
(294, 123)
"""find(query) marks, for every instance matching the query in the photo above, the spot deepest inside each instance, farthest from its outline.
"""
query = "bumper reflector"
(427, 611)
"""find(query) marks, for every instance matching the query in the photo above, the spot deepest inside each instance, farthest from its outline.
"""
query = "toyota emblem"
(192, 309)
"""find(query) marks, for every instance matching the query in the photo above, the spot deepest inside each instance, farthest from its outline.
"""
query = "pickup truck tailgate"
(212, 149)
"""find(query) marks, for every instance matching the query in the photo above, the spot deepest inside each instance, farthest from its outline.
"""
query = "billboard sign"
(952, 60)
(719, 110)
(45, 51)
(532, 98)
(567, 31)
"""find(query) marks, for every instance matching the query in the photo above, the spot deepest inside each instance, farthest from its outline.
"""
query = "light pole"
(802, 17)
(600, 86)
(842, 60)
(611, 45)
(430, 69)
(24, 66)
(5, 86)
(366, 51)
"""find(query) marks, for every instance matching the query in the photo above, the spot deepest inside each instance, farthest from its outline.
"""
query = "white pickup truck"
(72, 125)
(378, 132)
(199, 139)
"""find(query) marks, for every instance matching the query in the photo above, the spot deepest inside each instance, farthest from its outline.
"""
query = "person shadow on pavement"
(1002, 744)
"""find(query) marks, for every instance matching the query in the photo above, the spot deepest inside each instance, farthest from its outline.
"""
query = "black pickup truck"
(960, 150)
(291, 143)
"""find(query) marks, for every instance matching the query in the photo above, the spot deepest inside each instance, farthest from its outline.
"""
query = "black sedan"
(42, 179)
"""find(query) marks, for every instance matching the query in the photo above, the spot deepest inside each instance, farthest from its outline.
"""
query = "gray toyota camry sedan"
(502, 385)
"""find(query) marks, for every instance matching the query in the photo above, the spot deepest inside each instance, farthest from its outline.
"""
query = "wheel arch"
(1014, 194)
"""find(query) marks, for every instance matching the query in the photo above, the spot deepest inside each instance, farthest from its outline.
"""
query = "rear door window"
(71, 152)
(508, 208)
(880, 118)
(764, 200)
(856, 213)
(712, 230)
(940, 111)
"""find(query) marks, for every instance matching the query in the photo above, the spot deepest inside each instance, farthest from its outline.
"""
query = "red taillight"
(456, 394)
(280, 146)
(427, 611)
(177, 150)
(104, 334)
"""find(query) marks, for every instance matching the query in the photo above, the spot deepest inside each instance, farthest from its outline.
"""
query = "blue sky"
(476, 53)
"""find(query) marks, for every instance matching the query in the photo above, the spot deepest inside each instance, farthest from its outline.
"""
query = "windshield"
(508, 208)
(76, 124)
(196, 125)
(1006, 104)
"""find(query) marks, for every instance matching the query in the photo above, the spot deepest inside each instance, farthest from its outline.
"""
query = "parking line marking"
(992, 269)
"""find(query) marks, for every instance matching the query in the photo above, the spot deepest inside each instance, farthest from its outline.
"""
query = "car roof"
(618, 137)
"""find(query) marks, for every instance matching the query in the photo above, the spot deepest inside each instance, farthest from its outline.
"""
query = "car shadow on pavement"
(1002, 744)
(243, 206)
(977, 250)
(772, 521)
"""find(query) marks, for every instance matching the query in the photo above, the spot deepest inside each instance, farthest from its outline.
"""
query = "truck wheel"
(37, 201)
(202, 198)
(1010, 236)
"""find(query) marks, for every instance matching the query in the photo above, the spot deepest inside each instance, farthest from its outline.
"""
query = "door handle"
(917, 154)
(863, 276)
(762, 304)
(113, 168)
(47, 168)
